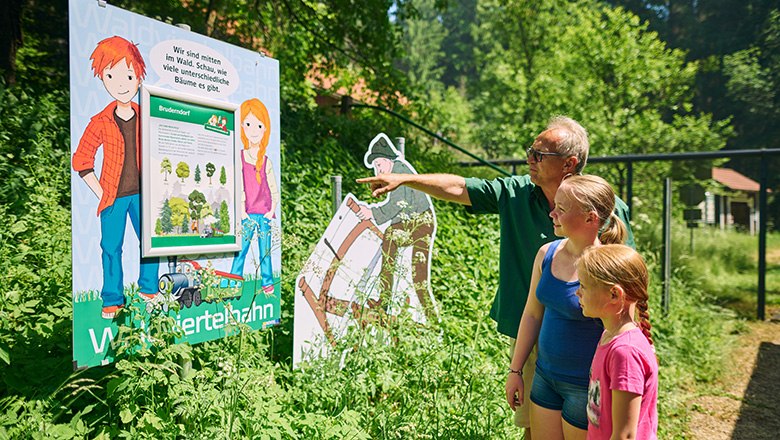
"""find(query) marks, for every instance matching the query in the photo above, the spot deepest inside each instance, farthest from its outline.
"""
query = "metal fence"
(630, 159)
(347, 104)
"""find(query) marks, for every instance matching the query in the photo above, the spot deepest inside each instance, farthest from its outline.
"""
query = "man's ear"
(570, 164)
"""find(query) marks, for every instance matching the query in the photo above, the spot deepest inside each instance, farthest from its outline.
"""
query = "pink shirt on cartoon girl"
(626, 363)
(258, 195)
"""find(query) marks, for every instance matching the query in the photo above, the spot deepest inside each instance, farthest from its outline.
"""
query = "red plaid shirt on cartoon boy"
(103, 130)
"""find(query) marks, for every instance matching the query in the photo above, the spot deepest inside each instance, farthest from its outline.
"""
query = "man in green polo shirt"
(523, 204)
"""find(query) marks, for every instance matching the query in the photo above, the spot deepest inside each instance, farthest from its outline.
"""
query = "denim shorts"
(571, 400)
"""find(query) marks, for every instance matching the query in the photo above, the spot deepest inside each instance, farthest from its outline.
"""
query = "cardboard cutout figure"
(260, 191)
(371, 258)
(118, 63)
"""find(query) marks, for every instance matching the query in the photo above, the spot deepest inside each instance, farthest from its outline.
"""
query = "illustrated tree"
(166, 167)
(180, 212)
(158, 227)
(197, 200)
(222, 176)
(182, 170)
(206, 210)
(210, 169)
(197, 174)
(224, 217)
(166, 213)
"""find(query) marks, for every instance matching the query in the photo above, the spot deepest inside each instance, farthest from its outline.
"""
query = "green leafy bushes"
(405, 381)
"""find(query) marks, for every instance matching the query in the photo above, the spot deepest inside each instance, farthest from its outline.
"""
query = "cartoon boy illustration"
(118, 63)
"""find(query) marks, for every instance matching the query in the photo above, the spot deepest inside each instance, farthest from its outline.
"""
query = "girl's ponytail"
(615, 232)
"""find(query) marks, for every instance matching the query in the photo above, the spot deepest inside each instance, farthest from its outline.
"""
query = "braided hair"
(617, 264)
(255, 107)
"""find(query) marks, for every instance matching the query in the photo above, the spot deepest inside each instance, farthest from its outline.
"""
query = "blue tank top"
(567, 339)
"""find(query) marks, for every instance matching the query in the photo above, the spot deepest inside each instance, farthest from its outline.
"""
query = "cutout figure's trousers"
(420, 240)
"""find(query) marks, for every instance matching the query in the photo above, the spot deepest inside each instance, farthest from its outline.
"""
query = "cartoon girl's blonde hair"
(256, 108)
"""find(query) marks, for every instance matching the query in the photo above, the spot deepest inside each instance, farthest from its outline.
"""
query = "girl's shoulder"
(547, 252)
(555, 243)
(541, 254)
(552, 248)
(632, 343)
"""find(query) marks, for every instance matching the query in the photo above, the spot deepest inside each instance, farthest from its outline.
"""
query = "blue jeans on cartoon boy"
(256, 223)
(113, 221)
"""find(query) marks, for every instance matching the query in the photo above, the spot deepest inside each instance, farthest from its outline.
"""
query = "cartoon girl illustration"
(261, 192)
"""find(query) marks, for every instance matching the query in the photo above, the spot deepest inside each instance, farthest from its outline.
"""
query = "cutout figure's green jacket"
(401, 200)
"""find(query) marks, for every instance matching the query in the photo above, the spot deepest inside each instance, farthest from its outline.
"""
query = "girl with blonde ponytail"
(567, 340)
(623, 386)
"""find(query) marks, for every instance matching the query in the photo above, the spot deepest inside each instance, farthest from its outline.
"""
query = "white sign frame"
(147, 223)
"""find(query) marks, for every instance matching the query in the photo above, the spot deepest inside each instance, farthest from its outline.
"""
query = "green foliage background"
(486, 74)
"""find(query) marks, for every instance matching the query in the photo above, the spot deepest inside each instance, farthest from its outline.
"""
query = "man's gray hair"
(574, 141)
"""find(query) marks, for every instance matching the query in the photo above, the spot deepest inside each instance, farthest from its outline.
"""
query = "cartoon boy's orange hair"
(113, 50)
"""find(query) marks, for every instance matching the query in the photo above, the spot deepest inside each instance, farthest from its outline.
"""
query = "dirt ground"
(744, 404)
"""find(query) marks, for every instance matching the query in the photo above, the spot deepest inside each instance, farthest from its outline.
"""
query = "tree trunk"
(10, 37)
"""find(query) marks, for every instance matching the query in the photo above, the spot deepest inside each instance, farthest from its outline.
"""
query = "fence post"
(666, 262)
(630, 188)
(762, 212)
(335, 190)
(400, 144)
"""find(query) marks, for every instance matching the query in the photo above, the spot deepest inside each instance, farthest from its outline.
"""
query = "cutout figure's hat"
(380, 147)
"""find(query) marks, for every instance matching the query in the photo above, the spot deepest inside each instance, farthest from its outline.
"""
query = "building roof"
(734, 180)
(359, 91)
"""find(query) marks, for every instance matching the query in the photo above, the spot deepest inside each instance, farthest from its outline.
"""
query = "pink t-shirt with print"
(626, 363)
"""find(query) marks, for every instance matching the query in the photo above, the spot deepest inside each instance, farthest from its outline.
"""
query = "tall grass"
(404, 382)
(724, 265)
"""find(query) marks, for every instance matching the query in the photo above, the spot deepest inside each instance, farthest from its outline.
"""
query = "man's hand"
(448, 187)
(383, 183)
(364, 213)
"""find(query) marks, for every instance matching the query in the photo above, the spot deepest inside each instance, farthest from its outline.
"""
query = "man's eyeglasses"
(537, 155)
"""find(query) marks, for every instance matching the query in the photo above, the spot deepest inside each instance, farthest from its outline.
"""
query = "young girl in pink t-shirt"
(623, 387)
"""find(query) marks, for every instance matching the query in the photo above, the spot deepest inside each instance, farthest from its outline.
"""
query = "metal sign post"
(666, 262)
(335, 189)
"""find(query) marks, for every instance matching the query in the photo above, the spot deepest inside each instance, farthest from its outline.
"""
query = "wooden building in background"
(732, 202)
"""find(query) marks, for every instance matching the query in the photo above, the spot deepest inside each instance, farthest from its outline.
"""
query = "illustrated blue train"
(183, 282)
